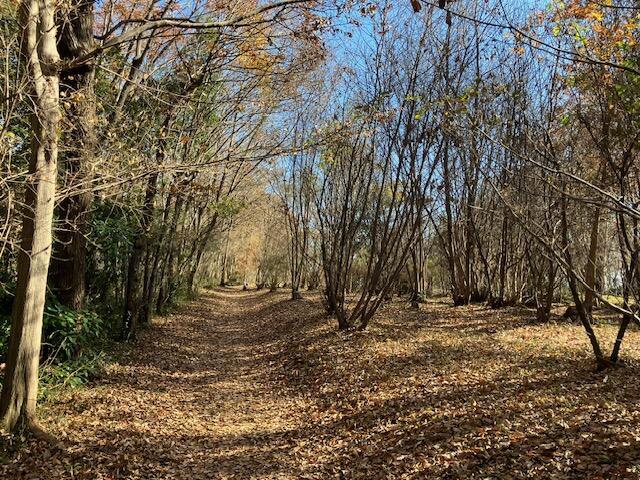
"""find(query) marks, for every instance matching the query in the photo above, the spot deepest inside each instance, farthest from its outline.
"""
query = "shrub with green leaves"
(67, 333)
(73, 373)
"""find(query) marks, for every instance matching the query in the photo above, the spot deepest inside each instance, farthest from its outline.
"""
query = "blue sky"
(350, 44)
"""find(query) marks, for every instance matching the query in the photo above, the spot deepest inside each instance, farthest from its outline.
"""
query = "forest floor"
(248, 385)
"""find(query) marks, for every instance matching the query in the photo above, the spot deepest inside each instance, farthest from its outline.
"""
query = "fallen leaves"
(251, 385)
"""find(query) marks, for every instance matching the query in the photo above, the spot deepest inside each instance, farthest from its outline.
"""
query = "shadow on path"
(252, 385)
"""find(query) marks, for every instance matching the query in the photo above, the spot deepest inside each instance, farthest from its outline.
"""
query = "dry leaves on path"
(250, 385)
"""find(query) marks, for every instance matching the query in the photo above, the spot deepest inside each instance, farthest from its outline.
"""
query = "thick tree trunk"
(20, 387)
(343, 321)
(69, 265)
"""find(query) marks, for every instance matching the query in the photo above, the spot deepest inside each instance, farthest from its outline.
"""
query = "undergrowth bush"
(72, 346)
(69, 333)
(72, 373)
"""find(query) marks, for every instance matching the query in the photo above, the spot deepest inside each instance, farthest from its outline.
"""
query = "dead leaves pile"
(253, 385)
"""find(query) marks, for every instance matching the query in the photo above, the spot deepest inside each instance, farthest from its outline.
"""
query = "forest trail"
(196, 399)
(252, 385)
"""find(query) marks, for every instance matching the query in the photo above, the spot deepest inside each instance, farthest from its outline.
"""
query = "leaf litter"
(252, 385)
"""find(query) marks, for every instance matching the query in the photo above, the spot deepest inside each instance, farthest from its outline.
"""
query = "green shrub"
(68, 333)
(72, 373)
(71, 348)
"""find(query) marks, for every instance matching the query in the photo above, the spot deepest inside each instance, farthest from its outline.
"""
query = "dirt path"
(196, 399)
(247, 385)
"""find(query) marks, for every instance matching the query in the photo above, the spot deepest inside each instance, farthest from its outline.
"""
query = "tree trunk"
(573, 286)
(200, 246)
(133, 292)
(544, 310)
(590, 271)
(502, 275)
(615, 353)
(173, 252)
(450, 249)
(20, 388)
(69, 265)
(152, 280)
(191, 279)
(629, 281)
(415, 274)
(223, 272)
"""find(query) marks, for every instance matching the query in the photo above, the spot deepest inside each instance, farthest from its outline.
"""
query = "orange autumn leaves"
(597, 28)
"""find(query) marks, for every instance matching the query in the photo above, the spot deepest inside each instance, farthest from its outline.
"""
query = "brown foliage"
(252, 385)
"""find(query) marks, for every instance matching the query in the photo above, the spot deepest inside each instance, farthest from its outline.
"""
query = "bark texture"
(20, 389)
(77, 88)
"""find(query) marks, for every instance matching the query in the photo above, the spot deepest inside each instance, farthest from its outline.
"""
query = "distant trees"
(298, 211)
(524, 165)
(584, 139)
(549, 177)
(294, 183)
(150, 126)
(374, 177)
